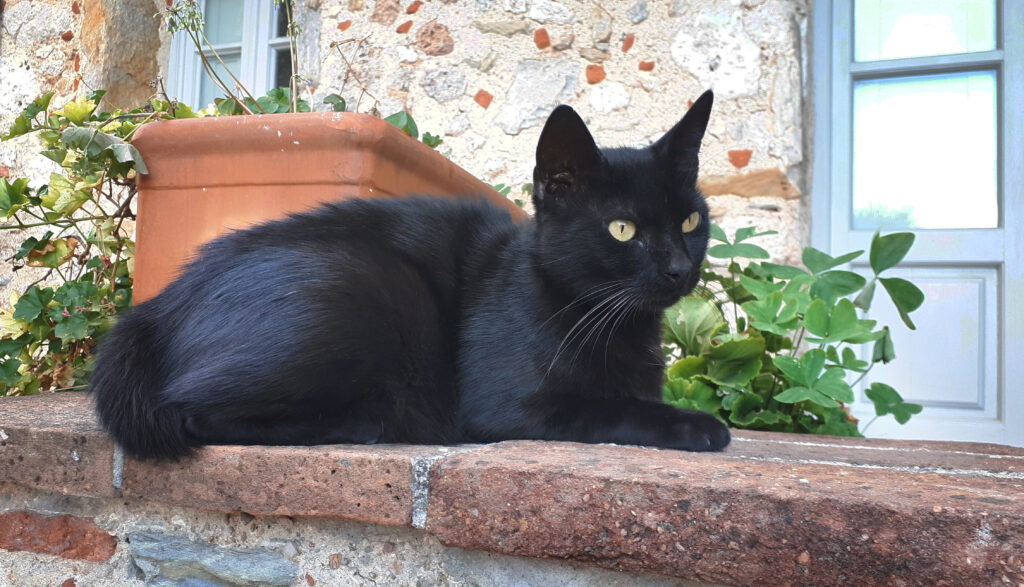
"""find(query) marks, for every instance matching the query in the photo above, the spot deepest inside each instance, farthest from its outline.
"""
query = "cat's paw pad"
(700, 432)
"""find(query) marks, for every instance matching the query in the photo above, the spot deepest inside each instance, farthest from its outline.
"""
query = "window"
(251, 38)
(918, 127)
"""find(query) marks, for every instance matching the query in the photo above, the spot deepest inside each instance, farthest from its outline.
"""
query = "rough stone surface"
(549, 11)
(761, 182)
(737, 518)
(444, 85)
(434, 39)
(54, 442)
(370, 484)
(505, 28)
(609, 96)
(538, 86)
(167, 560)
(637, 13)
(385, 12)
(65, 536)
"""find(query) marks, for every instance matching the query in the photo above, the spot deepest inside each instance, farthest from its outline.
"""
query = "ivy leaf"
(432, 141)
(888, 401)
(12, 347)
(905, 295)
(53, 254)
(692, 322)
(78, 110)
(337, 102)
(819, 261)
(12, 195)
(735, 361)
(73, 327)
(23, 123)
(404, 121)
(9, 374)
(94, 143)
(887, 251)
(32, 303)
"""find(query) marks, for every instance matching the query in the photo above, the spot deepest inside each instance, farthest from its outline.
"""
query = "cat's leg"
(216, 429)
(564, 416)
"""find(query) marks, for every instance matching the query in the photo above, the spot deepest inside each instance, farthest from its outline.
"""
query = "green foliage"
(782, 359)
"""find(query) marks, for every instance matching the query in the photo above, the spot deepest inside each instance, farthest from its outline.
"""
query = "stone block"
(167, 560)
(538, 86)
(66, 536)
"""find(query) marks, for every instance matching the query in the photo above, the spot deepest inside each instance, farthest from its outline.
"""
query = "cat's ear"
(681, 144)
(566, 154)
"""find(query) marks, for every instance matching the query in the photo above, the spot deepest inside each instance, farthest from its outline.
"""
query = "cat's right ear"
(681, 145)
(566, 155)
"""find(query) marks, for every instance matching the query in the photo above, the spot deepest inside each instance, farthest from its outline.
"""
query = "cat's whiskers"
(596, 326)
(589, 293)
(632, 302)
(581, 326)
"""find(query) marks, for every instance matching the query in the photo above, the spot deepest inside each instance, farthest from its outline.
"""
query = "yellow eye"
(622, 230)
(691, 222)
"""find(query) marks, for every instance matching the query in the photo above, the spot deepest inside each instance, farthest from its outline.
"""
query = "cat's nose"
(672, 275)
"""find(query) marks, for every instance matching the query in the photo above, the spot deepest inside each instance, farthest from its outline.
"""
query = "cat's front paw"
(699, 431)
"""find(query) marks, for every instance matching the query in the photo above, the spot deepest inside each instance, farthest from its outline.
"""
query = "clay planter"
(209, 176)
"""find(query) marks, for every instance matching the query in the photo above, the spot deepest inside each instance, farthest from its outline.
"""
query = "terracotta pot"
(209, 176)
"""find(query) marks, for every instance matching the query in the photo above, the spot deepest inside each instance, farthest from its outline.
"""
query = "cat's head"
(624, 222)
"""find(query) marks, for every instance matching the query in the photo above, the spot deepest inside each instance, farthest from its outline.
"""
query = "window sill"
(771, 509)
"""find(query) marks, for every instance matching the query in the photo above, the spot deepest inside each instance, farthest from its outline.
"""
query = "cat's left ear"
(681, 144)
(566, 154)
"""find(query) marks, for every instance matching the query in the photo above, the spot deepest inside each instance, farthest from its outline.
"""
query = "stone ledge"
(772, 509)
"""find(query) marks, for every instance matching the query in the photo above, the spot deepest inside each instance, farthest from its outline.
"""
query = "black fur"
(421, 320)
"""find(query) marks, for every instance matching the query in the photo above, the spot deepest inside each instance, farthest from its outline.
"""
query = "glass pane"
(924, 152)
(208, 89)
(891, 29)
(282, 68)
(223, 21)
(280, 21)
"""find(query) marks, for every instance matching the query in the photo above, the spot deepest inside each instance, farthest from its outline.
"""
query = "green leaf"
(718, 234)
(686, 367)
(431, 141)
(761, 289)
(816, 319)
(692, 322)
(832, 421)
(12, 347)
(884, 350)
(735, 361)
(832, 285)
(850, 361)
(888, 401)
(13, 195)
(783, 271)
(905, 295)
(692, 395)
(52, 254)
(833, 384)
(32, 303)
(9, 374)
(863, 300)
(765, 314)
(74, 294)
(73, 327)
(841, 325)
(23, 123)
(94, 143)
(78, 110)
(887, 251)
(337, 102)
(404, 121)
(818, 261)
(747, 411)
(804, 370)
(800, 394)
(751, 232)
(743, 250)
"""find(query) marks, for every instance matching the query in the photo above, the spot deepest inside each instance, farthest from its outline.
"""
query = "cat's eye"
(622, 230)
(691, 222)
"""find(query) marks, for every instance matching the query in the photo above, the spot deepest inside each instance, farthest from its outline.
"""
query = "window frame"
(185, 70)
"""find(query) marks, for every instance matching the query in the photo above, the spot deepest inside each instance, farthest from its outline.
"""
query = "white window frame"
(257, 47)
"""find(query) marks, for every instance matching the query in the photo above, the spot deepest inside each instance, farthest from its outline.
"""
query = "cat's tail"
(125, 383)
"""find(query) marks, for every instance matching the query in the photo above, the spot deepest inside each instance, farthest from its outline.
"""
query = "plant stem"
(293, 48)
(863, 375)
(67, 223)
(866, 426)
(238, 84)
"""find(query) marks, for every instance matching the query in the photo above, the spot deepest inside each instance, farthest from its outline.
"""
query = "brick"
(404, 27)
(541, 38)
(646, 66)
(53, 442)
(759, 513)
(67, 35)
(65, 536)
(627, 43)
(771, 183)
(414, 7)
(5, 171)
(740, 157)
(434, 39)
(343, 25)
(365, 483)
(595, 74)
(483, 98)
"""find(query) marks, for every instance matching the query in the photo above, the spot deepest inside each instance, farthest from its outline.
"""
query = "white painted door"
(919, 128)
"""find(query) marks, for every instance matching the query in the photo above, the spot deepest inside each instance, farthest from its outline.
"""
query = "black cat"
(423, 320)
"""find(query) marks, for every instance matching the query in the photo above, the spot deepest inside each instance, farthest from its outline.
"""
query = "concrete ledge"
(773, 509)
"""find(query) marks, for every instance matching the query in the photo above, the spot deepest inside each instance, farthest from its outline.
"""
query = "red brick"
(68, 583)
(67, 35)
(5, 171)
(310, 580)
(483, 98)
(65, 536)
(740, 157)
(627, 43)
(76, 8)
(595, 74)
(541, 38)
(343, 25)
(646, 66)
(404, 27)
(414, 7)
